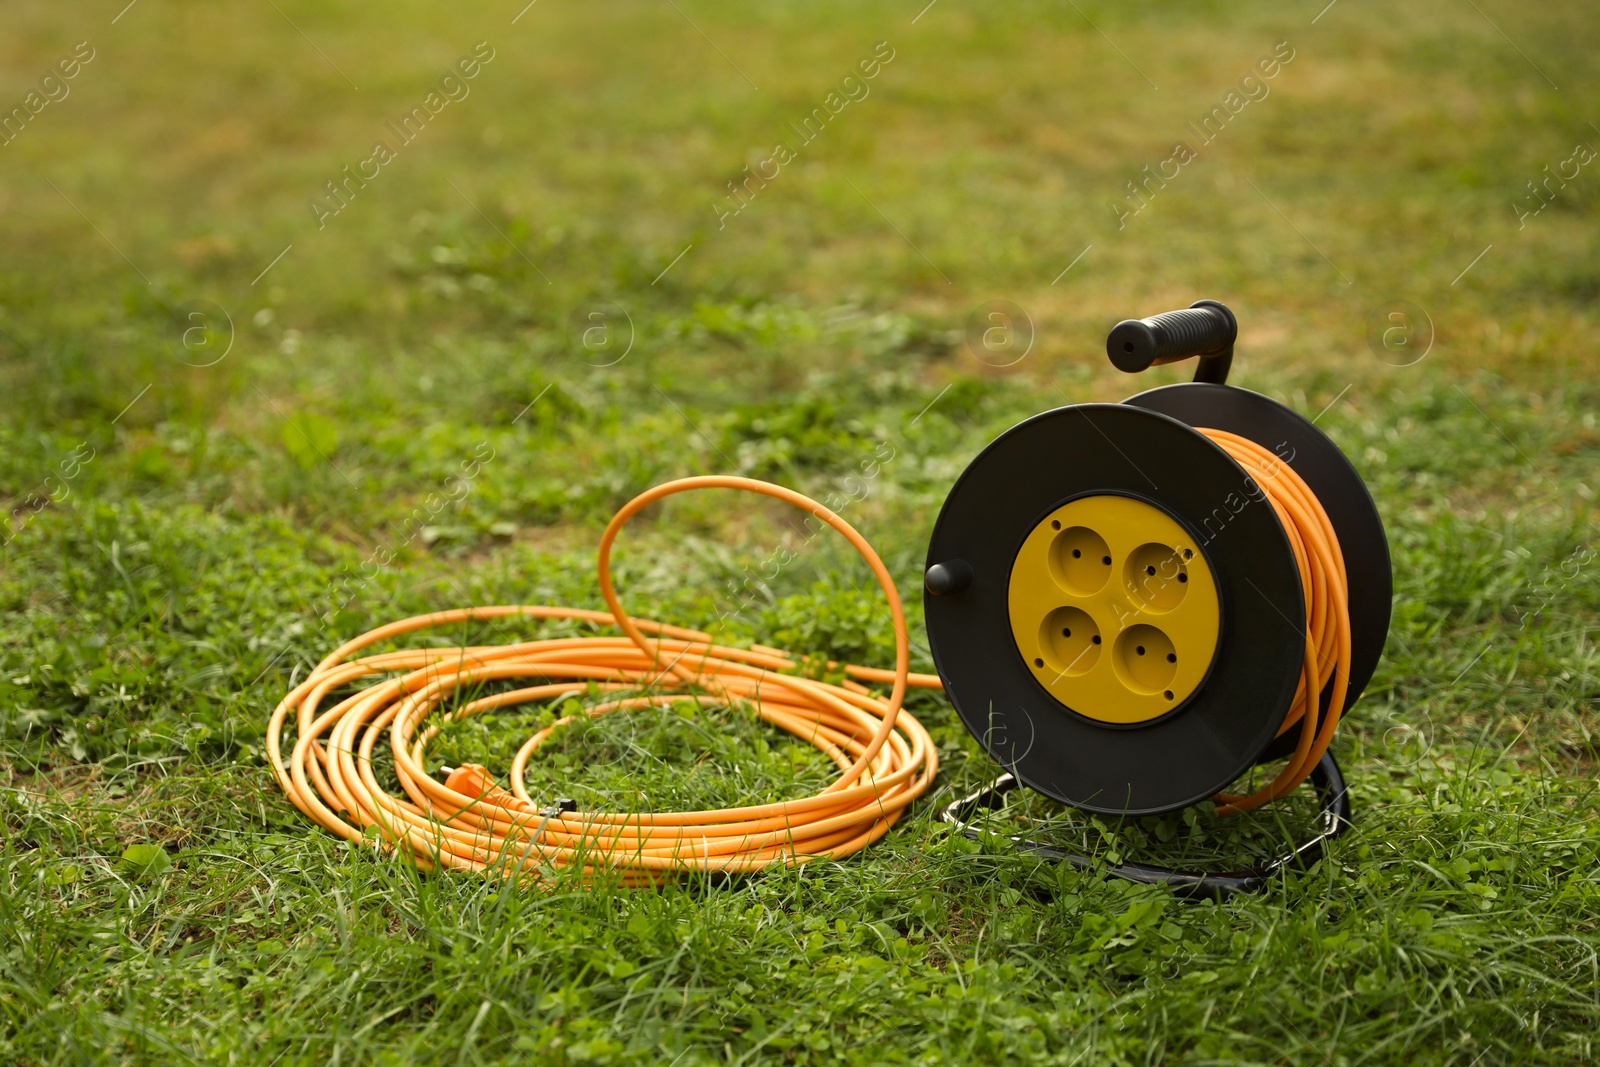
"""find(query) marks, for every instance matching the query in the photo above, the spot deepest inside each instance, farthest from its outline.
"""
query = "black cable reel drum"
(1116, 607)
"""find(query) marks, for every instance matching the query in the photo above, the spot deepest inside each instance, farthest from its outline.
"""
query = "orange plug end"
(473, 780)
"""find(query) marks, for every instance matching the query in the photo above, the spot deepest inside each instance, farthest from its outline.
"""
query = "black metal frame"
(1334, 819)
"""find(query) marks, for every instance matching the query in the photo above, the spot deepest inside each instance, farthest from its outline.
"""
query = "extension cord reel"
(1126, 602)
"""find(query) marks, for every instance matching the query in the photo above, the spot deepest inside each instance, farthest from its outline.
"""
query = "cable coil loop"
(1327, 602)
(885, 756)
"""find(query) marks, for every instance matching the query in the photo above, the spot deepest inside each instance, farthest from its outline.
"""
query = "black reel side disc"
(1122, 450)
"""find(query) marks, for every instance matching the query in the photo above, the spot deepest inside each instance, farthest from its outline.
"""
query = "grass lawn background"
(217, 411)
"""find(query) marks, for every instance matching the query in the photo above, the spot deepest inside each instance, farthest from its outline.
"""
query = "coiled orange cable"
(886, 757)
(1327, 603)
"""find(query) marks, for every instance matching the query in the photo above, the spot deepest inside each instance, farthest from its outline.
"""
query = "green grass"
(407, 386)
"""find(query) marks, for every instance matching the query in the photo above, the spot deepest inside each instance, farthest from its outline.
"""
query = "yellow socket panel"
(1114, 608)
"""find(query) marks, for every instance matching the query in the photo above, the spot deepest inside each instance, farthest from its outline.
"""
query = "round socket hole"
(1155, 577)
(1070, 641)
(1080, 560)
(1140, 658)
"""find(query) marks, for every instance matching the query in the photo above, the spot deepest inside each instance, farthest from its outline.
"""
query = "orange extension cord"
(886, 757)
(1322, 576)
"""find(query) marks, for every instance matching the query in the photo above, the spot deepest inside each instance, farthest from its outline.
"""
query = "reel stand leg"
(1333, 819)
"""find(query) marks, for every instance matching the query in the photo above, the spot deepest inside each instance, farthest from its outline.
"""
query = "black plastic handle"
(1206, 329)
